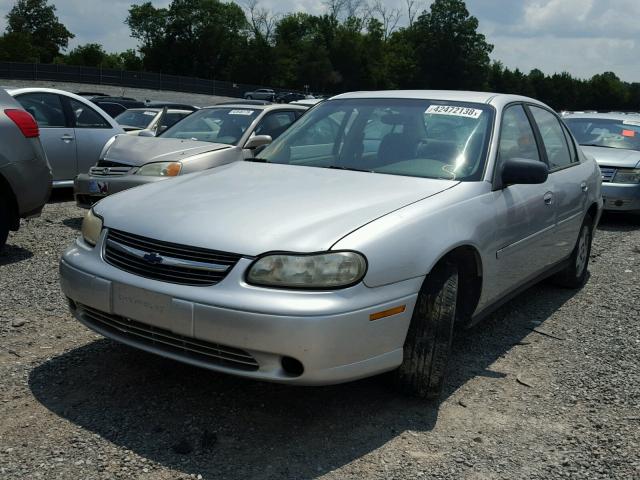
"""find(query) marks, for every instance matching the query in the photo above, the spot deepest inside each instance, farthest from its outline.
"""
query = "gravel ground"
(548, 387)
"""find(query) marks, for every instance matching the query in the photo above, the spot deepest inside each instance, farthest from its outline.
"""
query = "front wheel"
(575, 274)
(428, 342)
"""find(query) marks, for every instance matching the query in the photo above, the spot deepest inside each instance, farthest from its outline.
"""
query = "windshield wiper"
(595, 145)
(338, 167)
(257, 160)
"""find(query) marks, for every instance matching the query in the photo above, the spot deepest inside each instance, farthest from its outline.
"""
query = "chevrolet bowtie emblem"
(152, 258)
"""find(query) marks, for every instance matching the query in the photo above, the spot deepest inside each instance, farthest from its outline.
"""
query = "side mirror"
(258, 141)
(146, 133)
(524, 171)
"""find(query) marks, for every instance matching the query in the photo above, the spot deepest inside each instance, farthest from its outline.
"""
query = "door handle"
(66, 138)
(584, 187)
(548, 198)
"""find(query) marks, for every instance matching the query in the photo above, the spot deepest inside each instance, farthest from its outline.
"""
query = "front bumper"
(329, 333)
(89, 189)
(621, 197)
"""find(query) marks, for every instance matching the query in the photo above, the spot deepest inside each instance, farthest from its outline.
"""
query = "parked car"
(114, 106)
(261, 94)
(156, 120)
(205, 139)
(614, 141)
(25, 174)
(72, 129)
(350, 247)
(174, 105)
(288, 97)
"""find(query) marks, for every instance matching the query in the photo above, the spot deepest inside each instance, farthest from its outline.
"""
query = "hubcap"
(583, 251)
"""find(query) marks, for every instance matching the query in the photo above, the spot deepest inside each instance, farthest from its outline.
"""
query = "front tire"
(575, 274)
(428, 342)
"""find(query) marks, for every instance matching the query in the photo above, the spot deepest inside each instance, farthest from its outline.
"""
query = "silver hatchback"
(350, 247)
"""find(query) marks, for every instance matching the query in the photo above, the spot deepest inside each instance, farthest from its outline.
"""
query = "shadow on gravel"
(619, 222)
(59, 195)
(73, 223)
(197, 421)
(12, 254)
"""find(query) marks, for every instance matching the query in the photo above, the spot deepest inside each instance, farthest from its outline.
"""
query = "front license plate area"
(142, 305)
(98, 188)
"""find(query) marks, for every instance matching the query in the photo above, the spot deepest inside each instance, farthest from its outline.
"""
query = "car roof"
(452, 95)
(156, 109)
(605, 116)
(271, 106)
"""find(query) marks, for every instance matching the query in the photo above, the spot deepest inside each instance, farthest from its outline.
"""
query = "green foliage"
(37, 22)
(351, 48)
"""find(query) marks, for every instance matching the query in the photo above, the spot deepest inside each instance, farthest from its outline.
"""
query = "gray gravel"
(548, 387)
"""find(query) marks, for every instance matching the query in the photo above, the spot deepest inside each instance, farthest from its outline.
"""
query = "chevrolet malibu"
(613, 139)
(350, 247)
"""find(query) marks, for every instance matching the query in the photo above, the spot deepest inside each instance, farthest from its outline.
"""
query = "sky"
(582, 37)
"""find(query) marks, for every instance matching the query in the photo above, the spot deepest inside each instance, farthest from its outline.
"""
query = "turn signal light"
(387, 313)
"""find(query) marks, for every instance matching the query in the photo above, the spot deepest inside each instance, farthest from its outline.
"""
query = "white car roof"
(605, 116)
(17, 91)
(453, 95)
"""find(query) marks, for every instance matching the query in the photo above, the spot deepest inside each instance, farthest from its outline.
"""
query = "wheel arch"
(469, 261)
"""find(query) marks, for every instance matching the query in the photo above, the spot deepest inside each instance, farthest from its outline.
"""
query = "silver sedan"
(205, 139)
(72, 129)
(350, 247)
(613, 139)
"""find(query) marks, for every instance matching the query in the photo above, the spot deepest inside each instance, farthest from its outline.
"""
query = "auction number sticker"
(454, 111)
(151, 114)
(240, 112)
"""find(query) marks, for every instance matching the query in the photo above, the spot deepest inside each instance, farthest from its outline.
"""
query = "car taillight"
(24, 122)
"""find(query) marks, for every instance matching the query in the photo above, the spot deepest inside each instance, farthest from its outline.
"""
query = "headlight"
(315, 271)
(627, 175)
(91, 228)
(160, 169)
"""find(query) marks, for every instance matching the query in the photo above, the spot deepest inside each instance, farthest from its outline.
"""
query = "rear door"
(569, 180)
(91, 130)
(56, 133)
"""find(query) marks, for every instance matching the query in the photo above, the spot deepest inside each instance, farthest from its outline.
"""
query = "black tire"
(576, 273)
(428, 342)
(4, 222)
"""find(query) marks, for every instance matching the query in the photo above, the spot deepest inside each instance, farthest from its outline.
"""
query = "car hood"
(614, 157)
(134, 150)
(252, 208)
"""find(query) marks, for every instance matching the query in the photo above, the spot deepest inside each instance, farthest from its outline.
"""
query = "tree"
(17, 47)
(89, 55)
(37, 20)
(451, 53)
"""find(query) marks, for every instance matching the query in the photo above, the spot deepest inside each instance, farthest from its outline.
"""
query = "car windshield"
(602, 132)
(418, 138)
(136, 118)
(218, 125)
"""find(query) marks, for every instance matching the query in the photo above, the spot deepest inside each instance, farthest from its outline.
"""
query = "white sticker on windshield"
(240, 112)
(635, 123)
(454, 111)
(151, 114)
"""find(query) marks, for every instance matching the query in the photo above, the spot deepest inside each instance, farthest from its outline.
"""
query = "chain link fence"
(124, 78)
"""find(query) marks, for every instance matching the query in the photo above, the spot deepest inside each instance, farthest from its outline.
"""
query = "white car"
(72, 130)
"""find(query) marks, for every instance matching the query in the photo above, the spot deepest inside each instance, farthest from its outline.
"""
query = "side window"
(86, 117)
(553, 137)
(46, 108)
(322, 132)
(572, 147)
(274, 124)
(516, 136)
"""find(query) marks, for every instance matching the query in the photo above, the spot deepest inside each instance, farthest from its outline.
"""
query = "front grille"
(98, 171)
(168, 341)
(167, 262)
(607, 173)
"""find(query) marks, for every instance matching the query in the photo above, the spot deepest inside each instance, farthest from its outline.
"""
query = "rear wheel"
(4, 221)
(428, 342)
(575, 274)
